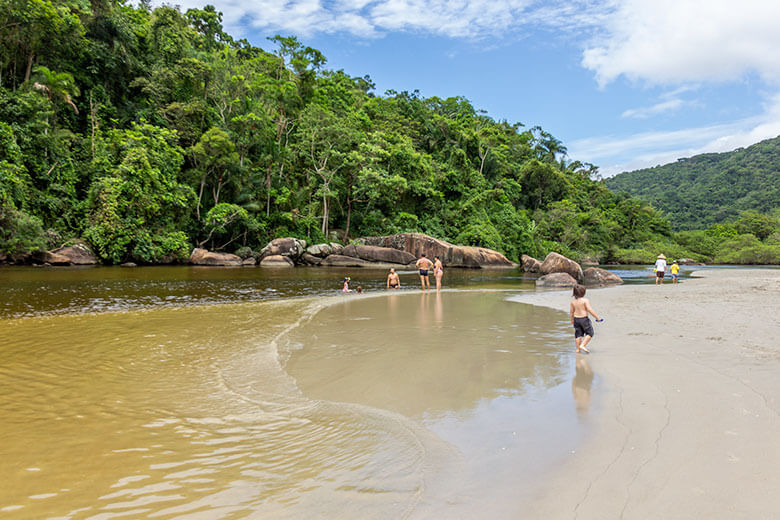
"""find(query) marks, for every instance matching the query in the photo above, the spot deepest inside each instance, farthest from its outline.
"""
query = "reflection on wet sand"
(581, 384)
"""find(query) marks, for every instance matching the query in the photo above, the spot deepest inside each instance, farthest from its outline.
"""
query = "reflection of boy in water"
(580, 385)
(393, 280)
(578, 314)
(424, 265)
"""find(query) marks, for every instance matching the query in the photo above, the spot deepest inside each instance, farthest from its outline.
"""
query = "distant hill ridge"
(710, 188)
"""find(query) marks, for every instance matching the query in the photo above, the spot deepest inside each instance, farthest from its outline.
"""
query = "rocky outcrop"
(77, 254)
(249, 262)
(556, 263)
(530, 264)
(556, 280)
(276, 261)
(345, 261)
(451, 255)
(128, 264)
(204, 257)
(598, 276)
(292, 248)
(387, 255)
(590, 261)
(688, 261)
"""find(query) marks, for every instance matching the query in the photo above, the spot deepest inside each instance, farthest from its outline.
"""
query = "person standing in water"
(675, 270)
(660, 269)
(438, 271)
(578, 314)
(393, 280)
(346, 289)
(424, 265)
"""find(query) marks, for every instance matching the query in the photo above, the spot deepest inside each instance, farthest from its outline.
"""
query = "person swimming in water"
(393, 280)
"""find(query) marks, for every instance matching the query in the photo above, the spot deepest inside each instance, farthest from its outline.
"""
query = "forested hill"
(146, 132)
(709, 188)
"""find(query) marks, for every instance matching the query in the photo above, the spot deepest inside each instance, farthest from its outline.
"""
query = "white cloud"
(653, 148)
(372, 18)
(676, 41)
(654, 110)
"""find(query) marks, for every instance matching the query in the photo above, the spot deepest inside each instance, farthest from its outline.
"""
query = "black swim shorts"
(583, 327)
(423, 272)
(659, 274)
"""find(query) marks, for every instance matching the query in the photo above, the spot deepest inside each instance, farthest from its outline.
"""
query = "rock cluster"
(559, 271)
(451, 255)
(390, 251)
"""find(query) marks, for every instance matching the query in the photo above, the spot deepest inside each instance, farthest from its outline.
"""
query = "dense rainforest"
(147, 132)
(709, 188)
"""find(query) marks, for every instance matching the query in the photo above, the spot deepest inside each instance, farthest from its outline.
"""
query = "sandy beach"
(689, 425)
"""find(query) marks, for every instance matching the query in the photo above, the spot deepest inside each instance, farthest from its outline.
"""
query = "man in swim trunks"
(393, 280)
(424, 265)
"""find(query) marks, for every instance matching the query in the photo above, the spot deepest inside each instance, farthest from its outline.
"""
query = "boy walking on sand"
(578, 314)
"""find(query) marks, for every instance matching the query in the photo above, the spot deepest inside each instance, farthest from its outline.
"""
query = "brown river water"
(244, 393)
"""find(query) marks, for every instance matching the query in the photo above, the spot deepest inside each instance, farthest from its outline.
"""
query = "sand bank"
(689, 425)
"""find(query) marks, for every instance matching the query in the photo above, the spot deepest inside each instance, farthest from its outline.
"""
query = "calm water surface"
(249, 393)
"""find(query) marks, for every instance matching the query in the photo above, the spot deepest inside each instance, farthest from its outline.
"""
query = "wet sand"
(689, 424)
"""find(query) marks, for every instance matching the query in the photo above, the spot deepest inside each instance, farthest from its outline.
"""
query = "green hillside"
(709, 188)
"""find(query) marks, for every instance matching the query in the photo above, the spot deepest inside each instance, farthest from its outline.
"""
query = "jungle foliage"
(148, 131)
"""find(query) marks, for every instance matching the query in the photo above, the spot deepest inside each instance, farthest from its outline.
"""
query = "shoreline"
(689, 415)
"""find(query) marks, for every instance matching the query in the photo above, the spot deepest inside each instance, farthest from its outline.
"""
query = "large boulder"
(451, 255)
(48, 257)
(556, 280)
(78, 254)
(292, 248)
(308, 259)
(598, 276)
(688, 261)
(530, 264)
(249, 262)
(320, 250)
(378, 254)
(204, 257)
(276, 261)
(556, 263)
(344, 261)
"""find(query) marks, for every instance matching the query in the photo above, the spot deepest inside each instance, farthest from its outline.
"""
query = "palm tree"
(56, 85)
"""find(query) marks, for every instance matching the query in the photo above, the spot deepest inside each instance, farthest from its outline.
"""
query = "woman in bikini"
(438, 271)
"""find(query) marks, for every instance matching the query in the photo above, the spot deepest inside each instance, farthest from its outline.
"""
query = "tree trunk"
(325, 215)
(349, 216)
(29, 67)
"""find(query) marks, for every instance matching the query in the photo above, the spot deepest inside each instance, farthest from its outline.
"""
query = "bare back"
(580, 307)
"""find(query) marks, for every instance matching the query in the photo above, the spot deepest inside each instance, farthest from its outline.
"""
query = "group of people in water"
(425, 267)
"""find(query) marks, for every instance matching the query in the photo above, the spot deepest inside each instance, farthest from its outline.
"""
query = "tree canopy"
(147, 132)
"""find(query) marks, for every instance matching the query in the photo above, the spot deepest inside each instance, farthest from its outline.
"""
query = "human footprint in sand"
(578, 314)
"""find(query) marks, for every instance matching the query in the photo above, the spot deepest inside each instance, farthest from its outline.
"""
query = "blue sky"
(624, 84)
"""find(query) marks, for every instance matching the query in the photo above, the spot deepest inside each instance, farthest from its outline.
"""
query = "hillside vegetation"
(147, 132)
(708, 189)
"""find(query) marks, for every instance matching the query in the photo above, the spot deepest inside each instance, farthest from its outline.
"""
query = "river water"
(177, 392)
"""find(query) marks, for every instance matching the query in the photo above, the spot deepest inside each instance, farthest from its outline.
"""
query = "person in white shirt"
(660, 269)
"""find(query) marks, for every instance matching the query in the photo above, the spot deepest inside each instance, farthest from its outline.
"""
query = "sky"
(624, 84)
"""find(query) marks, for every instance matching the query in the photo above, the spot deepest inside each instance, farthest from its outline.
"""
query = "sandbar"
(688, 424)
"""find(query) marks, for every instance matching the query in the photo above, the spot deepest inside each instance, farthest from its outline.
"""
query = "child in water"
(346, 285)
(578, 314)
